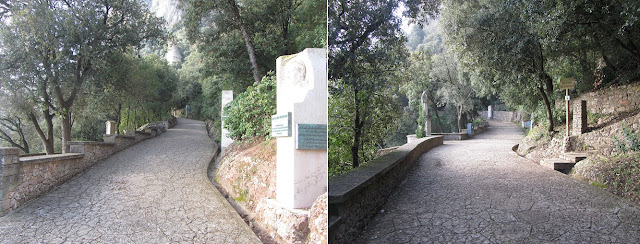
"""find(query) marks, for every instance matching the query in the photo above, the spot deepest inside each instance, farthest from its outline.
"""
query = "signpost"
(566, 84)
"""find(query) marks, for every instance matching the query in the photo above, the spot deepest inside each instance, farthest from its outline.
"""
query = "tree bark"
(435, 110)
(128, 111)
(247, 39)
(118, 118)
(47, 140)
(66, 131)
(547, 105)
(357, 136)
(459, 118)
(14, 125)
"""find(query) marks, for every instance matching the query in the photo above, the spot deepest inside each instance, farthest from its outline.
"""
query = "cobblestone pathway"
(153, 192)
(479, 191)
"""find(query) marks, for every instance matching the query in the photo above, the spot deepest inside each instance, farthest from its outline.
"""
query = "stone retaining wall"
(623, 98)
(453, 136)
(355, 197)
(25, 178)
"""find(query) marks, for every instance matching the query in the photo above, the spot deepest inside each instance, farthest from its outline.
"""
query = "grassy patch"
(593, 118)
(621, 175)
(599, 185)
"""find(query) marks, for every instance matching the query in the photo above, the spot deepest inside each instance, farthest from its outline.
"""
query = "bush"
(421, 120)
(621, 175)
(630, 140)
(540, 115)
(249, 114)
(477, 121)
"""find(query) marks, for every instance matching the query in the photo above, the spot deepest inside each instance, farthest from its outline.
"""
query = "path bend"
(479, 191)
(156, 191)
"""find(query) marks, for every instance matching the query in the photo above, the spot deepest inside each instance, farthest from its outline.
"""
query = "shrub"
(621, 175)
(421, 120)
(630, 140)
(249, 114)
(477, 121)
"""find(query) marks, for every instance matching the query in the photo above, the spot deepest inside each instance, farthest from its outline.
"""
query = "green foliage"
(366, 48)
(249, 115)
(377, 127)
(559, 116)
(630, 140)
(274, 27)
(621, 175)
(340, 133)
(421, 120)
(54, 50)
(477, 121)
(593, 118)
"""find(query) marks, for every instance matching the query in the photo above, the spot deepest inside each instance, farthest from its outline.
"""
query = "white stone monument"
(227, 97)
(425, 111)
(111, 127)
(302, 156)
(490, 112)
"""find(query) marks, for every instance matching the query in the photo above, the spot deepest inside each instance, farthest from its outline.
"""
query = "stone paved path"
(478, 191)
(153, 192)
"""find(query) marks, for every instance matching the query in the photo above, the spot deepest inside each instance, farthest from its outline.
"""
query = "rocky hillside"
(248, 172)
(611, 141)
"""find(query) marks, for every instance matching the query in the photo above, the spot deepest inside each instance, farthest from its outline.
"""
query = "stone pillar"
(580, 117)
(490, 112)
(111, 127)
(302, 157)
(9, 176)
(227, 97)
(425, 111)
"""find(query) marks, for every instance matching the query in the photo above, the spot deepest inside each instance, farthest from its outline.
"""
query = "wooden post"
(567, 110)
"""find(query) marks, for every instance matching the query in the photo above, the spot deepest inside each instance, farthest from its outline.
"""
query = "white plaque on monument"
(281, 125)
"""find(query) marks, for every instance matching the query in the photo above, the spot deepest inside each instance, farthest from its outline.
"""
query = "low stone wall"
(355, 197)
(453, 136)
(479, 128)
(512, 116)
(25, 178)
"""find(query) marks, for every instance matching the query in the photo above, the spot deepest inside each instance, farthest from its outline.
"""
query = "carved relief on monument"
(295, 80)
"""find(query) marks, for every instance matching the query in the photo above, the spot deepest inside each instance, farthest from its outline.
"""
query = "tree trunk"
(459, 118)
(548, 83)
(357, 136)
(66, 130)
(22, 137)
(547, 106)
(135, 113)
(435, 110)
(47, 140)
(118, 116)
(247, 39)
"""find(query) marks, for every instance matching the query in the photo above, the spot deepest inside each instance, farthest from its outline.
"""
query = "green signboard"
(312, 137)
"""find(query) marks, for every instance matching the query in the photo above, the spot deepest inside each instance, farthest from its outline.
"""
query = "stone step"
(574, 157)
(557, 164)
